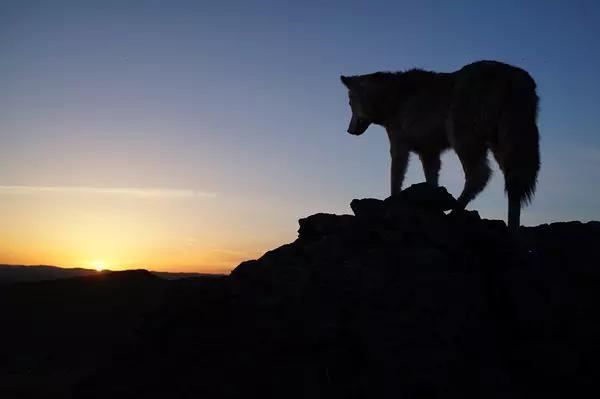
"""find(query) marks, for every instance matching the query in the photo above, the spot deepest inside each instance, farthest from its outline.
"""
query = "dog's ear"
(346, 80)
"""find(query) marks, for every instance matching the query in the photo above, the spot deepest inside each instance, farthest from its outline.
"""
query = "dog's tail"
(518, 145)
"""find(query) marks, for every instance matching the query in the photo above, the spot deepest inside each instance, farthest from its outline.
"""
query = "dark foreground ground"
(398, 301)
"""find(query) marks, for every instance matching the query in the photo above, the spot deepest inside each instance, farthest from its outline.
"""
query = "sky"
(192, 135)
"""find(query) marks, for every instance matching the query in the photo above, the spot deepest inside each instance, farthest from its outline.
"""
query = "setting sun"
(99, 265)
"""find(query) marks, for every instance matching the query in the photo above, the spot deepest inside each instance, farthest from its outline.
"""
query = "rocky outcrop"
(398, 300)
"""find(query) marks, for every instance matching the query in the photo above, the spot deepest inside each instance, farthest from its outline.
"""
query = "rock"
(424, 196)
(402, 209)
(496, 225)
(400, 300)
(246, 267)
(368, 208)
(322, 224)
(465, 216)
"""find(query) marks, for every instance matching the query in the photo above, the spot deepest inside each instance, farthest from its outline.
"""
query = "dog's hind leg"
(477, 172)
(514, 212)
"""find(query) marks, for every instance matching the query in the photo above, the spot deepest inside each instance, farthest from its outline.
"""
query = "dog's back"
(483, 89)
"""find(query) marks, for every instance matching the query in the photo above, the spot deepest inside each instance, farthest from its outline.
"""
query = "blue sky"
(242, 101)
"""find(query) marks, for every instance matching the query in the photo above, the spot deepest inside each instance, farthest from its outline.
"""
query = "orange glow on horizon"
(121, 231)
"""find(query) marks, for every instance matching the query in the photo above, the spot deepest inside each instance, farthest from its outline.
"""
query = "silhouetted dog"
(484, 105)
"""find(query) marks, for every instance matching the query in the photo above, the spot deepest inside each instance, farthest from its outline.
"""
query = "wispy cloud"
(118, 191)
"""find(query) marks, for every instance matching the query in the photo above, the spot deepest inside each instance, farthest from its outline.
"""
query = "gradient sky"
(191, 135)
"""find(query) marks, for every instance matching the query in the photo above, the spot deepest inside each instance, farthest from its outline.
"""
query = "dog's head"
(360, 113)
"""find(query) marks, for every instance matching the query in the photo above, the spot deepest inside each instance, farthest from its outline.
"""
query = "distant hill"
(21, 273)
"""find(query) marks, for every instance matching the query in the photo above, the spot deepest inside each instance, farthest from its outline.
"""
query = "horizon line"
(108, 269)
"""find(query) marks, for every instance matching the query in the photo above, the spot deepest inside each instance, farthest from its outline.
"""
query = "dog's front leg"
(399, 154)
